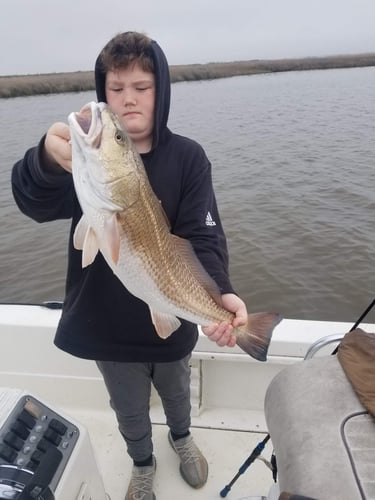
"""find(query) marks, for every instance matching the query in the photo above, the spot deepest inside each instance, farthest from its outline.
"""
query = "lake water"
(293, 158)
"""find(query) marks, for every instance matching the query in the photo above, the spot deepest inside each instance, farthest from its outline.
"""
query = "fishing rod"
(49, 304)
(255, 454)
(359, 321)
(260, 446)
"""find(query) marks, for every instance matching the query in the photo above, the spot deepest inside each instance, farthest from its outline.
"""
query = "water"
(293, 159)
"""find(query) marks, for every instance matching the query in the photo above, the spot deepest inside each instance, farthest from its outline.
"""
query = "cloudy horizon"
(39, 36)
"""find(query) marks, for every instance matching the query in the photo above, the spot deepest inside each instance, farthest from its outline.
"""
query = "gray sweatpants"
(129, 387)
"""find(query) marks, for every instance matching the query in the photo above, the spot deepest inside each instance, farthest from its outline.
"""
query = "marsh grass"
(49, 83)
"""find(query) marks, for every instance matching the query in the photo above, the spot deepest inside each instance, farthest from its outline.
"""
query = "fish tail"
(254, 338)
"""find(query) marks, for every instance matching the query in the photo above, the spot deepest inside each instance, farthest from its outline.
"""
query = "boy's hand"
(222, 333)
(57, 148)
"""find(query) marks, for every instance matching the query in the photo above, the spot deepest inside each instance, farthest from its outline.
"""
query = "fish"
(124, 220)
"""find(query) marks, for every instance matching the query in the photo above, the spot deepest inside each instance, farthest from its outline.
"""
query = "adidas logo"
(209, 220)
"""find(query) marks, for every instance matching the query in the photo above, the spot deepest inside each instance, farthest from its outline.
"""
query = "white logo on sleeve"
(209, 220)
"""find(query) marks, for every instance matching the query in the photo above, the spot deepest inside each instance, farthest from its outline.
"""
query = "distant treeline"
(50, 83)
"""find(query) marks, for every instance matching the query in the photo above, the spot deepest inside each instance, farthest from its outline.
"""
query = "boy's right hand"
(57, 147)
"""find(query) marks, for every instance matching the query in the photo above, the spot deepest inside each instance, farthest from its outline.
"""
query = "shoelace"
(141, 485)
(188, 452)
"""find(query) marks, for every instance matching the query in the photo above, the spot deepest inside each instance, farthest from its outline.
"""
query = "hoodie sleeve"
(40, 194)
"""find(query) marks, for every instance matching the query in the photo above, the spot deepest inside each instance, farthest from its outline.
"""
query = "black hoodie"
(101, 320)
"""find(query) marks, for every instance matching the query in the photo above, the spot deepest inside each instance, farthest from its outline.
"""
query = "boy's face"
(130, 94)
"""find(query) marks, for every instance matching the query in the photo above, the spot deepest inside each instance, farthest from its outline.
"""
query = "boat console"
(43, 454)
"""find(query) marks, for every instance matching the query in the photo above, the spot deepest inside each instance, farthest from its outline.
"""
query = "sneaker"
(140, 486)
(193, 467)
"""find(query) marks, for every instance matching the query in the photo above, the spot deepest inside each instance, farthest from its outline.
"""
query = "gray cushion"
(324, 439)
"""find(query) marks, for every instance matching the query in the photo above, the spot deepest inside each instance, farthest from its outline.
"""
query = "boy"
(101, 320)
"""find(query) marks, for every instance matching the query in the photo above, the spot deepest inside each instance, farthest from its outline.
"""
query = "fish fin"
(165, 324)
(186, 250)
(84, 239)
(80, 233)
(112, 237)
(254, 338)
(90, 247)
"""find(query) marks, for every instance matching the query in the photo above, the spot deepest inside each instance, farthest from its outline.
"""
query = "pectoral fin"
(80, 233)
(84, 239)
(90, 248)
(165, 324)
(112, 237)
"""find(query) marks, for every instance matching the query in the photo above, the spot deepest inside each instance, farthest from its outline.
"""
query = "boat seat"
(323, 437)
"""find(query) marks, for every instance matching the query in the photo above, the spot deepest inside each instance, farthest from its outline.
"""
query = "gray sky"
(40, 36)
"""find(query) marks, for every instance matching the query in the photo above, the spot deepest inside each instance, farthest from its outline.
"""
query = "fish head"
(104, 160)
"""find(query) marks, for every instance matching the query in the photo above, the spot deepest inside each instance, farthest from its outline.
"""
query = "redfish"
(124, 220)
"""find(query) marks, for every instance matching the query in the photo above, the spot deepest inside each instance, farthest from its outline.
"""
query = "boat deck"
(227, 395)
(225, 451)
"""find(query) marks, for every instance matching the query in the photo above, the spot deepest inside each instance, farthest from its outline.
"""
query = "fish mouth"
(84, 119)
(87, 122)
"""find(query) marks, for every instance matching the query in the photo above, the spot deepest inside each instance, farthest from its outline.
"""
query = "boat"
(228, 391)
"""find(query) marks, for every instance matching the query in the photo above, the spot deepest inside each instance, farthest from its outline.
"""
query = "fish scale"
(152, 242)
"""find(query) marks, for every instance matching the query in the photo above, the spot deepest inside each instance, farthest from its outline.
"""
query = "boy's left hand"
(222, 333)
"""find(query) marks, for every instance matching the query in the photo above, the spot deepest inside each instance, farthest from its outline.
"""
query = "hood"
(162, 90)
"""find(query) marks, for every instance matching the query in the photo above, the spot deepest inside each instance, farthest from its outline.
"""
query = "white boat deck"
(228, 390)
(225, 451)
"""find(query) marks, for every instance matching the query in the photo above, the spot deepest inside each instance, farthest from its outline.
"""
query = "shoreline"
(79, 81)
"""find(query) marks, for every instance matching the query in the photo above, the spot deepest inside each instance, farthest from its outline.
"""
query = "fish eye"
(119, 136)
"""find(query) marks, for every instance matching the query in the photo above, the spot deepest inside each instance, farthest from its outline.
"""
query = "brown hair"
(127, 49)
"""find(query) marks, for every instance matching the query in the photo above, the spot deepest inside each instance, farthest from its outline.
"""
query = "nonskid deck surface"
(224, 450)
